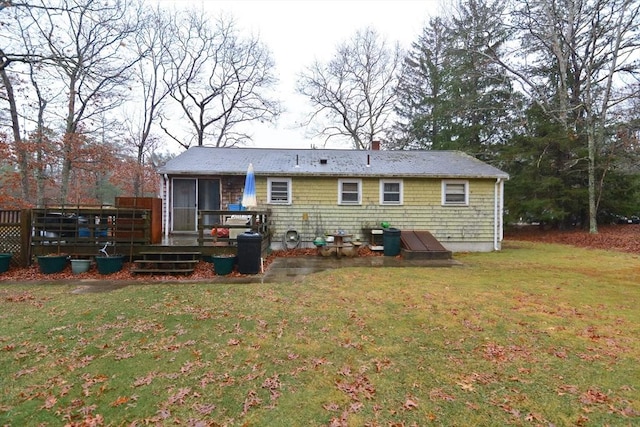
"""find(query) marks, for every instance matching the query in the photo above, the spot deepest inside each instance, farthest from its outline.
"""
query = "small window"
(349, 192)
(455, 193)
(279, 191)
(390, 192)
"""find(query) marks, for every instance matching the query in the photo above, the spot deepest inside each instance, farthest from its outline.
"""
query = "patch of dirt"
(623, 238)
(203, 271)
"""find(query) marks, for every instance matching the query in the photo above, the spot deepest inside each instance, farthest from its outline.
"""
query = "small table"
(338, 242)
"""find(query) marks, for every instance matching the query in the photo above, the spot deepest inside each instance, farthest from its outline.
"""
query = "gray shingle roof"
(351, 163)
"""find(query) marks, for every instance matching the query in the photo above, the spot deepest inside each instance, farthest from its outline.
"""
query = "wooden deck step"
(420, 244)
(174, 262)
(163, 271)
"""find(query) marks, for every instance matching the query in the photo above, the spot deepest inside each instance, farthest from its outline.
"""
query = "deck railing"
(85, 230)
(234, 222)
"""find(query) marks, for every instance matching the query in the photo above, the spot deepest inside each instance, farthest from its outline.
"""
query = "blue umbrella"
(249, 196)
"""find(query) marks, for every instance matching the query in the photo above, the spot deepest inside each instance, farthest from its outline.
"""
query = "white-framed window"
(349, 191)
(279, 191)
(391, 192)
(455, 193)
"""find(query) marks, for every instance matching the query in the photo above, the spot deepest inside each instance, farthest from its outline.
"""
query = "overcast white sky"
(299, 31)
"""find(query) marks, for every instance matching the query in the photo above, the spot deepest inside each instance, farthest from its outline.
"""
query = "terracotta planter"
(50, 264)
(110, 264)
(5, 259)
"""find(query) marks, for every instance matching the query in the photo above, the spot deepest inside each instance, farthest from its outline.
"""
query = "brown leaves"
(91, 381)
(146, 380)
(250, 401)
(494, 352)
(410, 404)
(20, 297)
(204, 408)
(593, 397)
(273, 384)
(121, 400)
(358, 388)
(624, 238)
(439, 394)
(498, 353)
(49, 402)
(178, 398)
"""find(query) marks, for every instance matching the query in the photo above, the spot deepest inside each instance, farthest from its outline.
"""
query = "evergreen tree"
(547, 185)
(422, 94)
(482, 98)
(452, 95)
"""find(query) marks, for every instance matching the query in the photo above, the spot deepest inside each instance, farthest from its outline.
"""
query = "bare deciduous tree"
(219, 80)
(353, 94)
(89, 43)
(27, 62)
(153, 43)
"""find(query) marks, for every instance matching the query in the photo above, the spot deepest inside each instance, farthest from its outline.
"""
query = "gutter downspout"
(498, 225)
(166, 205)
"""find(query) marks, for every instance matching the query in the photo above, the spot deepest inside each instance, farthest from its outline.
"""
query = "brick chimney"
(375, 145)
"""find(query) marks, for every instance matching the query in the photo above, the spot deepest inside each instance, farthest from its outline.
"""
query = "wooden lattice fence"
(14, 235)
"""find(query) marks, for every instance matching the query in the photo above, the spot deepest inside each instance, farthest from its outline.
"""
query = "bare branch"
(353, 94)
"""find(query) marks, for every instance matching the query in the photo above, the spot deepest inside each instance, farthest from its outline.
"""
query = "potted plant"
(5, 259)
(52, 263)
(80, 265)
(108, 264)
(223, 264)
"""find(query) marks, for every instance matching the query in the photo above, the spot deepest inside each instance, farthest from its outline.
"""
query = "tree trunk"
(67, 141)
(23, 155)
(593, 209)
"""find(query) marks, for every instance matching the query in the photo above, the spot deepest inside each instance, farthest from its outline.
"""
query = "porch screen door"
(185, 209)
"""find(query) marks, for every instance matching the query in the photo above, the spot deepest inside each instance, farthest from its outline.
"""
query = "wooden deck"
(83, 232)
(184, 243)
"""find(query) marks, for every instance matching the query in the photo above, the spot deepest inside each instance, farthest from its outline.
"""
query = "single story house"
(456, 197)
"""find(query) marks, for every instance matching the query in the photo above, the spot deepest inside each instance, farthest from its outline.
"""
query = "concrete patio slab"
(295, 268)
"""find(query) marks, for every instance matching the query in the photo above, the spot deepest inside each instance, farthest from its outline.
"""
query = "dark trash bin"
(391, 241)
(249, 252)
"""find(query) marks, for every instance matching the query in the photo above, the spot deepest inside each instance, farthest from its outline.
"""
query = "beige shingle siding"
(316, 199)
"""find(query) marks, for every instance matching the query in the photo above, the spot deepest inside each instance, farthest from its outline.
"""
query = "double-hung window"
(455, 193)
(391, 192)
(279, 191)
(349, 191)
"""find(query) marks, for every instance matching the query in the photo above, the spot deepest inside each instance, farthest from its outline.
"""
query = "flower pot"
(5, 259)
(52, 263)
(110, 264)
(223, 264)
(80, 265)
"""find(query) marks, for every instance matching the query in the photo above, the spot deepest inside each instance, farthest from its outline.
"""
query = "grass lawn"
(536, 334)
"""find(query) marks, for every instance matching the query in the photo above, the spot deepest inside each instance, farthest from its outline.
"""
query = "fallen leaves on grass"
(358, 388)
(410, 404)
(250, 401)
